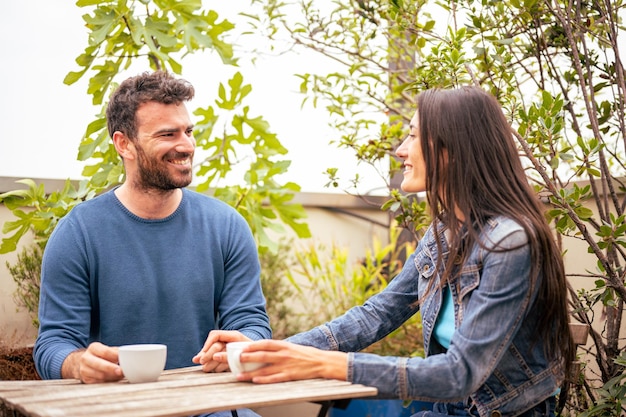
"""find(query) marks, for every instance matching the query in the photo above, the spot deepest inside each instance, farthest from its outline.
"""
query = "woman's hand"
(216, 342)
(288, 362)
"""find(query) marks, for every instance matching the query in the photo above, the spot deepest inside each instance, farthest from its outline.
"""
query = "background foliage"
(26, 274)
(327, 285)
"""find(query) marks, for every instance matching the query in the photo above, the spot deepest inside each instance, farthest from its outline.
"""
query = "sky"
(44, 120)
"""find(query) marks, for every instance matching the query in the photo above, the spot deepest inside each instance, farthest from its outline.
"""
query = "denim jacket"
(491, 363)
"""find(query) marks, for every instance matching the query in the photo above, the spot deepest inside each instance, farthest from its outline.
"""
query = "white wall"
(15, 326)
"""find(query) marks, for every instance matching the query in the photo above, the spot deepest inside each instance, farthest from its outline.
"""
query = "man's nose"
(186, 143)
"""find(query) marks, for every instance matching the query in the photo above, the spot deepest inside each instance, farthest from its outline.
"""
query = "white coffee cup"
(142, 362)
(234, 349)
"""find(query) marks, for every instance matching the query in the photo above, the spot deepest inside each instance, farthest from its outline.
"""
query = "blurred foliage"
(278, 290)
(26, 274)
(327, 285)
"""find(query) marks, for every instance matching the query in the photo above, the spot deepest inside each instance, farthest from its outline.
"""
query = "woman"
(487, 277)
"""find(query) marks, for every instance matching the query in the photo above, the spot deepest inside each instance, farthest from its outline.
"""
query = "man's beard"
(154, 176)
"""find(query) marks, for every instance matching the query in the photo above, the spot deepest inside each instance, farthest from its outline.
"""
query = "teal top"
(444, 327)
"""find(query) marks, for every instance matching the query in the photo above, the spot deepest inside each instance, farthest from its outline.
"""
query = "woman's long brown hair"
(473, 166)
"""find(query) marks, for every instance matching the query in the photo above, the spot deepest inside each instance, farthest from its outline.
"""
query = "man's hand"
(98, 363)
(216, 342)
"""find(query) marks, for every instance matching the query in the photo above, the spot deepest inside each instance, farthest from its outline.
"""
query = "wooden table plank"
(71, 391)
(180, 392)
(188, 402)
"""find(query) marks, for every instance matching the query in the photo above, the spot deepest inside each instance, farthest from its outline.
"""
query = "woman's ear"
(123, 145)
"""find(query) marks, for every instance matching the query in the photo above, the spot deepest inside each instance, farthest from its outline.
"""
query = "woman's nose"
(401, 150)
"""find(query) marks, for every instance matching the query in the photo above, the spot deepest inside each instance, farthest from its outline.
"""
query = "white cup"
(142, 362)
(234, 349)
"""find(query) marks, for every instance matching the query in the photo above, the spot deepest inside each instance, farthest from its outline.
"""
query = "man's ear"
(123, 145)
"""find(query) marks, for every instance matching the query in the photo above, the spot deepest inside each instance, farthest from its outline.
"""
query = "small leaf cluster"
(38, 212)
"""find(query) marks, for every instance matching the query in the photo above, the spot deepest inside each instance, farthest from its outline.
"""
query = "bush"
(327, 286)
(27, 276)
(278, 290)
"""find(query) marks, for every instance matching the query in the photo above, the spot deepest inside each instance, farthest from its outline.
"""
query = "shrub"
(27, 276)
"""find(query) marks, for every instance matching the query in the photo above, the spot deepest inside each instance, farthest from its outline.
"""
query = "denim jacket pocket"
(468, 280)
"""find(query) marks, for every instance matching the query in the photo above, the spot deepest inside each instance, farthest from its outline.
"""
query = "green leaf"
(73, 76)
(84, 3)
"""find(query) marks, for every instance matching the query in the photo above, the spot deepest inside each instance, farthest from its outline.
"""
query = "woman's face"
(414, 166)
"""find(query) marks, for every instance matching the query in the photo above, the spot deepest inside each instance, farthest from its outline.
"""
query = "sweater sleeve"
(64, 305)
(241, 304)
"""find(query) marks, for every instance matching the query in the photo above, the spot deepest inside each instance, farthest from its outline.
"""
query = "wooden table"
(178, 392)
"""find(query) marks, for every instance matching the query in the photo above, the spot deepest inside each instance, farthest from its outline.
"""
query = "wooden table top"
(178, 392)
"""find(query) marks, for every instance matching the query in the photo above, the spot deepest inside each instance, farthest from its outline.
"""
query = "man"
(149, 261)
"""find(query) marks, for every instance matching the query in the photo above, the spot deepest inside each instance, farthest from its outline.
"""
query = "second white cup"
(234, 349)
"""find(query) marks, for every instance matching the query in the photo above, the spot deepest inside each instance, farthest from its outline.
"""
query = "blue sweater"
(113, 277)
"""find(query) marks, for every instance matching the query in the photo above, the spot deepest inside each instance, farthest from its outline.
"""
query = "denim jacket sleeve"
(491, 300)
